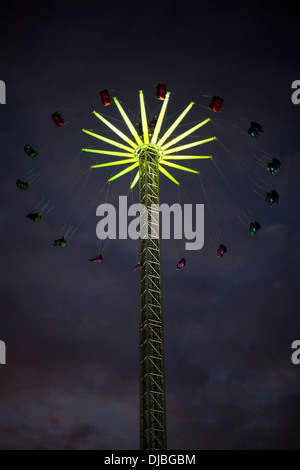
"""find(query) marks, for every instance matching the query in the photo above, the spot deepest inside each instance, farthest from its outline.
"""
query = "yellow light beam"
(118, 162)
(109, 141)
(144, 118)
(131, 167)
(185, 157)
(108, 152)
(160, 119)
(136, 178)
(175, 124)
(193, 144)
(116, 130)
(185, 134)
(179, 167)
(167, 174)
(128, 122)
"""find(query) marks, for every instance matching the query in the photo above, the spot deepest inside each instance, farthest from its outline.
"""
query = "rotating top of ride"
(146, 138)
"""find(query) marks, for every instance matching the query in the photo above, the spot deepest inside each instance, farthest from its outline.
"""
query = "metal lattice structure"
(149, 154)
(152, 382)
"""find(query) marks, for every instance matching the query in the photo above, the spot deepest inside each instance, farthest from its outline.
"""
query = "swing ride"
(22, 185)
(150, 153)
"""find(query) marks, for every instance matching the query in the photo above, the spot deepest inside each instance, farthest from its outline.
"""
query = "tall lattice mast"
(152, 381)
(149, 154)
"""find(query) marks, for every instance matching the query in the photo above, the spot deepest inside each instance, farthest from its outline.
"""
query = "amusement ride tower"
(149, 153)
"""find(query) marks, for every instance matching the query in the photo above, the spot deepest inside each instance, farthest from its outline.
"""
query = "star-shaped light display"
(165, 149)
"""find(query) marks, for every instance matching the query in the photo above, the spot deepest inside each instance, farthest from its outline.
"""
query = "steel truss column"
(152, 382)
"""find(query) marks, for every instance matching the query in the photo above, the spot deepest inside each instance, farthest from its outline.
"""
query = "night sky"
(71, 328)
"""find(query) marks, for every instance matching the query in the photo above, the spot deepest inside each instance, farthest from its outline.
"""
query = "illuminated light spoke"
(167, 174)
(119, 162)
(144, 118)
(179, 167)
(186, 157)
(175, 124)
(136, 178)
(128, 122)
(127, 170)
(109, 152)
(109, 141)
(116, 130)
(185, 134)
(160, 119)
(193, 144)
